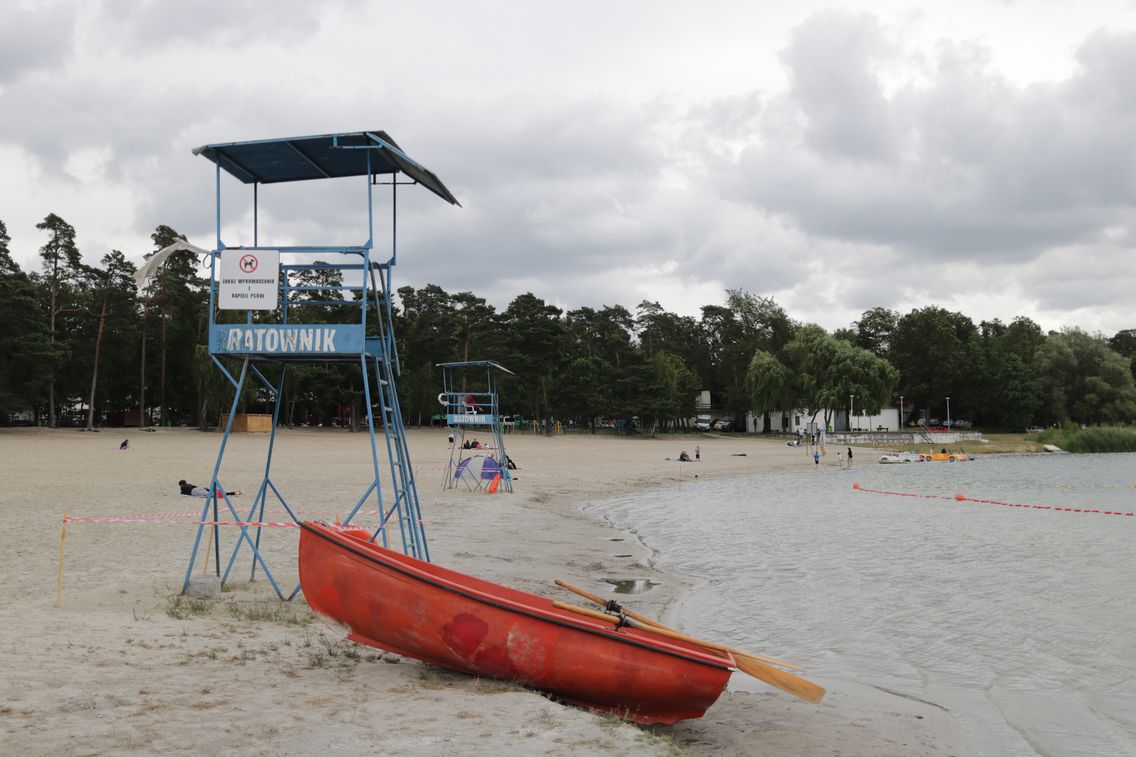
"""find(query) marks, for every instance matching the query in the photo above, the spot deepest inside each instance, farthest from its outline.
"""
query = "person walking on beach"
(849, 457)
(840, 458)
(697, 452)
(816, 459)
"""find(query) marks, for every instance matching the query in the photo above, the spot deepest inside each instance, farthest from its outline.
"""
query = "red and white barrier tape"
(963, 498)
(163, 517)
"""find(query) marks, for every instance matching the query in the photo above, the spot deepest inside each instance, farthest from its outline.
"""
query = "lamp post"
(851, 400)
(901, 412)
(948, 412)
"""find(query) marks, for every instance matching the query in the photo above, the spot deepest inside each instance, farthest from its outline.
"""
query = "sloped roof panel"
(324, 156)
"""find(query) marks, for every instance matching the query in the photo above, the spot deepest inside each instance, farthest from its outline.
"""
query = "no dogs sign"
(250, 279)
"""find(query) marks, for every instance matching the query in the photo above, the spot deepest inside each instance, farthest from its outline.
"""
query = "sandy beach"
(126, 664)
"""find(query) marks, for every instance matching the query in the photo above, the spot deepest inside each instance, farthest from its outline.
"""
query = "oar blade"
(787, 682)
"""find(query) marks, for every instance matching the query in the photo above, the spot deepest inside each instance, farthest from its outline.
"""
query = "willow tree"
(830, 371)
(771, 385)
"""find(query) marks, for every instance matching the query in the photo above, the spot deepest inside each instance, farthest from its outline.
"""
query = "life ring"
(443, 400)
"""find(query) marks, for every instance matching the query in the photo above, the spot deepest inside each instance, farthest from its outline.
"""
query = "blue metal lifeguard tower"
(256, 282)
(467, 410)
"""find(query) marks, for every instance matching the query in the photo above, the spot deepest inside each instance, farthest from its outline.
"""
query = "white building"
(801, 420)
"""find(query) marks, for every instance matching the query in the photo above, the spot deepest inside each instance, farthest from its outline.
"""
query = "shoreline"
(125, 665)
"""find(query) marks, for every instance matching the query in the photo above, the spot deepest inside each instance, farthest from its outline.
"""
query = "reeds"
(1095, 439)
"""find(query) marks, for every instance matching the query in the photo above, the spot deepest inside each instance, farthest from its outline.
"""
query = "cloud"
(32, 39)
(883, 171)
(963, 164)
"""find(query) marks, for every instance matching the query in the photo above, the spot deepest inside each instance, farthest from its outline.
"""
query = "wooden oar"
(795, 685)
(737, 653)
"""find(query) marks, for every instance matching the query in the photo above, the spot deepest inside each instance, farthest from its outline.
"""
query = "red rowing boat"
(414, 608)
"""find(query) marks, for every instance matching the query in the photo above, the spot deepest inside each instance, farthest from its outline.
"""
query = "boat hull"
(901, 457)
(394, 602)
(948, 457)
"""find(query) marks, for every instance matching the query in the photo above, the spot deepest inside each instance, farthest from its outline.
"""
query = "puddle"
(631, 585)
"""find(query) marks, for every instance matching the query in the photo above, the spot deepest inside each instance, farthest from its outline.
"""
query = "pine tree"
(62, 265)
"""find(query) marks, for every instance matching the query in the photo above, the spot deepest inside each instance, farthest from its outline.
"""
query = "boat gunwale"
(394, 561)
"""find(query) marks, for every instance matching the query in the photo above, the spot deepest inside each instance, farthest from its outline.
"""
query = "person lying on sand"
(192, 490)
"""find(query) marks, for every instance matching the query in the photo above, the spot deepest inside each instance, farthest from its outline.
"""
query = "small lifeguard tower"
(472, 406)
(255, 294)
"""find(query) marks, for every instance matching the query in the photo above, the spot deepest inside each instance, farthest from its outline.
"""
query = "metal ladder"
(405, 500)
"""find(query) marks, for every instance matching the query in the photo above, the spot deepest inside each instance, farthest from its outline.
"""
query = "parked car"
(1034, 429)
(702, 423)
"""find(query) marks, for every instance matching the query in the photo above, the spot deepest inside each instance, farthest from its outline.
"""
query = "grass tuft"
(180, 607)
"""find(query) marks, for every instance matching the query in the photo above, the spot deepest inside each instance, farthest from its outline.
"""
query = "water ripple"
(1018, 620)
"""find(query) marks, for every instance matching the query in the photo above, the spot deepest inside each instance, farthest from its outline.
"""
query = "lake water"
(1021, 622)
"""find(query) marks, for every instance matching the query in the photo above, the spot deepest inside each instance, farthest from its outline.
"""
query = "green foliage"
(1124, 342)
(81, 336)
(62, 267)
(583, 389)
(532, 333)
(771, 385)
(1083, 379)
(734, 333)
(675, 386)
(936, 352)
(177, 303)
(826, 373)
(874, 330)
(25, 351)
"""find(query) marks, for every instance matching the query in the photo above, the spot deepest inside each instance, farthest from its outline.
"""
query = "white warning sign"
(250, 279)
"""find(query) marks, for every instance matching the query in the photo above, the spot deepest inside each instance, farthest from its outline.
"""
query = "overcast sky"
(976, 155)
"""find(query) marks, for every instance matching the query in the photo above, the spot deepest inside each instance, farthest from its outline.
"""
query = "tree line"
(82, 345)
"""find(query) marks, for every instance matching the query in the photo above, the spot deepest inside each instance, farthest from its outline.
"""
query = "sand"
(126, 664)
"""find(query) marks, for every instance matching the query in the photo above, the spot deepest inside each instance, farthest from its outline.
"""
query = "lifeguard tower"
(255, 291)
(471, 407)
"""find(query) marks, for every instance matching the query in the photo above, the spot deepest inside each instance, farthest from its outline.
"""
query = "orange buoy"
(494, 484)
(960, 497)
(856, 486)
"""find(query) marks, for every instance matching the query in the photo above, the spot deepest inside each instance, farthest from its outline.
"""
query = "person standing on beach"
(697, 452)
(840, 458)
(849, 457)
(816, 459)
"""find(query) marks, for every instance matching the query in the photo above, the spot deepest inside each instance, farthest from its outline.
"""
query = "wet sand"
(128, 665)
